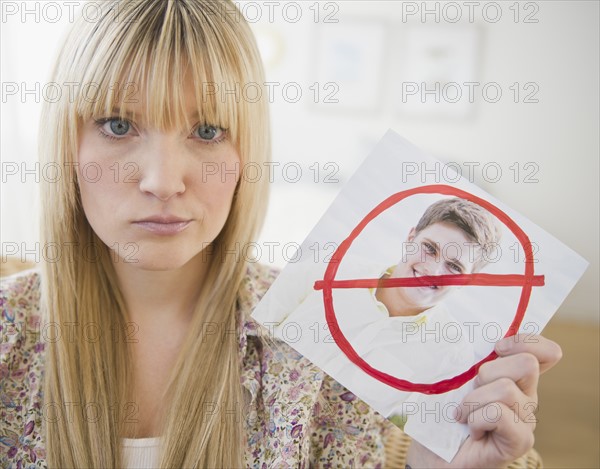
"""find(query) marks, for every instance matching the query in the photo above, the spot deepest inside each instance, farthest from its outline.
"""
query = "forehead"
(142, 58)
(137, 103)
(163, 98)
(445, 233)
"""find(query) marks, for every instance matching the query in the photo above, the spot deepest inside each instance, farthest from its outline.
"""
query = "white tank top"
(140, 453)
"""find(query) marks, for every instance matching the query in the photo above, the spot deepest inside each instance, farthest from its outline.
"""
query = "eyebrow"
(130, 114)
(435, 244)
(117, 111)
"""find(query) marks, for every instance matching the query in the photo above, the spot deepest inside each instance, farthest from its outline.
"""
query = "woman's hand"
(500, 411)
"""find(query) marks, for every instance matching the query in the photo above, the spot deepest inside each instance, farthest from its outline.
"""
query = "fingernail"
(502, 346)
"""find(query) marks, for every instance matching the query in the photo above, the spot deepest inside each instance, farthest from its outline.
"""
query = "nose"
(432, 266)
(162, 168)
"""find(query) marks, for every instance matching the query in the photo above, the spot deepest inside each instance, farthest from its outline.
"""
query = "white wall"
(560, 133)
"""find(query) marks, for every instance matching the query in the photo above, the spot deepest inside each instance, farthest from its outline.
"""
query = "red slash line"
(495, 280)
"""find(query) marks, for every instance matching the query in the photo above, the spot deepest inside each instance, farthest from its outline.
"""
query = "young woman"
(134, 346)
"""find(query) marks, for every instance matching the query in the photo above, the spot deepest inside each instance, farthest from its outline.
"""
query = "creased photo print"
(404, 286)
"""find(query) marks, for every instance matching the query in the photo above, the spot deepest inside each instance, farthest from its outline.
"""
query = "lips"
(163, 224)
(417, 275)
(166, 219)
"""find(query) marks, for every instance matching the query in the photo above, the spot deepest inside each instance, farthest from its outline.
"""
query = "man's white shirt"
(425, 348)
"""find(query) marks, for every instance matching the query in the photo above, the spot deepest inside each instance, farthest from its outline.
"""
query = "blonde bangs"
(141, 75)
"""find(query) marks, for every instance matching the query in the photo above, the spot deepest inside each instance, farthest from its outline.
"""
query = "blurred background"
(506, 91)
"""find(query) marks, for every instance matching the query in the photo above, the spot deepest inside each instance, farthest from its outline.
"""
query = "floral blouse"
(297, 416)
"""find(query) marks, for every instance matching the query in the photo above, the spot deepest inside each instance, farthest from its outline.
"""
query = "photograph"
(406, 308)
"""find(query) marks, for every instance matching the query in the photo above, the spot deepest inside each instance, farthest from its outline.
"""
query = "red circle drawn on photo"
(526, 282)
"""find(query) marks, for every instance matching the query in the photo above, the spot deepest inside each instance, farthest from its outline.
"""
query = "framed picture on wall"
(439, 74)
(349, 60)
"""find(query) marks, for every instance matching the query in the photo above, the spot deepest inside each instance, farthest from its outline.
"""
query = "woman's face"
(156, 199)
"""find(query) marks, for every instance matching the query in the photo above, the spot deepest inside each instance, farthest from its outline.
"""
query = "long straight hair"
(144, 48)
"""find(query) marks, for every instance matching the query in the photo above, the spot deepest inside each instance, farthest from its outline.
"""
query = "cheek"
(95, 178)
(220, 177)
(100, 190)
(413, 259)
(214, 188)
(99, 211)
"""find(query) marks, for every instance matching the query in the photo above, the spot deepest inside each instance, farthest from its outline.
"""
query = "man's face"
(440, 249)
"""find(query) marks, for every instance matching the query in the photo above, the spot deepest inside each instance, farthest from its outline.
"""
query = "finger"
(545, 350)
(505, 391)
(522, 368)
(510, 438)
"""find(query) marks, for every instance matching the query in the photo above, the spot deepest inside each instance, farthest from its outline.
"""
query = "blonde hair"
(480, 226)
(153, 44)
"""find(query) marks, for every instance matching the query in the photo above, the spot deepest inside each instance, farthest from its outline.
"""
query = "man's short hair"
(480, 226)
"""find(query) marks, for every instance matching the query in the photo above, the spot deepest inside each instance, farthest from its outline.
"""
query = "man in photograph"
(406, 332)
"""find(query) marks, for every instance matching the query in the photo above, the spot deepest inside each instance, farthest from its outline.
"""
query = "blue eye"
(119, 127)
(208, 132)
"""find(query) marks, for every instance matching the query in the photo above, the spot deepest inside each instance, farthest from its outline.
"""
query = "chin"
(424, 303)
(157, 260)
(154, 265)
(419, 297)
